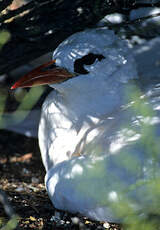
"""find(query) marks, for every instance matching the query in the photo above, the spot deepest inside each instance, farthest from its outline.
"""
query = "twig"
(4, 4)
(7, 207)
(12, 223)
(138, 20)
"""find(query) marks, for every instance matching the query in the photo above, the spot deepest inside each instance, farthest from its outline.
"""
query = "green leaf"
(4, 37)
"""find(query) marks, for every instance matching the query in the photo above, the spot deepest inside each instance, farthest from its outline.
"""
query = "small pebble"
(106, 225)
(19, 189)
(75, 220)
(56, 218)
(35, 180)
(25, 171)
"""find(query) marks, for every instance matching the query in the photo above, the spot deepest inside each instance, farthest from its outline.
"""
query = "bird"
(90, 133)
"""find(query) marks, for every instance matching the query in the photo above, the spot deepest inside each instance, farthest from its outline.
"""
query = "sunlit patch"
(143, 49)
(51, 182)
(73, 55)
(146, 120)
(123, 138)
(81, 52)
(93, 134)
(95, 120)
(77, 170)
(114, 18)
(112, 196)
(151, 120)
(157, 107)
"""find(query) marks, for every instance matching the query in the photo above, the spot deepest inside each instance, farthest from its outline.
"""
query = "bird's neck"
(91, 103)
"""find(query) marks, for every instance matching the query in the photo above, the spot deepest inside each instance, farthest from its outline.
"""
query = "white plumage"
(90, 136)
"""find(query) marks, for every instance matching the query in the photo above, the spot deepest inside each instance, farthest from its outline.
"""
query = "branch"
(12, 13)
(40, 26)
(4, 4)
(12, 223)
(4, 201)
(140, 20)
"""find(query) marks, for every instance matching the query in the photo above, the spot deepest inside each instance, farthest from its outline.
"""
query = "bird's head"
(88, 59)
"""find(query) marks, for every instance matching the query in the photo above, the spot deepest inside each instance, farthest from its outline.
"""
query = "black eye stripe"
(88, 59)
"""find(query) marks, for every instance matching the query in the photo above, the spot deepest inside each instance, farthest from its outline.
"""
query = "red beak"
(43, 75)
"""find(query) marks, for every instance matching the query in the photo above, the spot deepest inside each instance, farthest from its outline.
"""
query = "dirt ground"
(22, 179)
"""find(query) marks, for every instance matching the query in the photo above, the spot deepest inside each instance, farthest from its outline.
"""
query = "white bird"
(89, 134)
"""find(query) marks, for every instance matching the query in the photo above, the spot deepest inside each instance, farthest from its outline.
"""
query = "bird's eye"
(88, 59)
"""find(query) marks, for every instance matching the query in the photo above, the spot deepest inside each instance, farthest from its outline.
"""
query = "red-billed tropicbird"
(89, 134)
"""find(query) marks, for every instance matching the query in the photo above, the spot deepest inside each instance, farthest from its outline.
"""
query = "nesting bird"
(89, 134)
